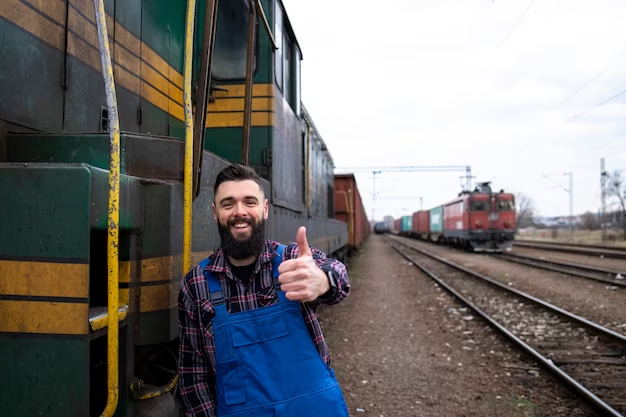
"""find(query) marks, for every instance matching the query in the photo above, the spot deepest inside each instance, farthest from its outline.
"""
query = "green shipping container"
(436, 219)
(406, 223)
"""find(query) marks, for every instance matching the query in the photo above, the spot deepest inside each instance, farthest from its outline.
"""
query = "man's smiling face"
(240, 210)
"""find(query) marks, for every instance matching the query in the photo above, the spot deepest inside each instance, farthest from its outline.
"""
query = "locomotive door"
(85, 102)
(493, 214)
(32, 44)
(147, 62)
(126, 65)
(162, 50)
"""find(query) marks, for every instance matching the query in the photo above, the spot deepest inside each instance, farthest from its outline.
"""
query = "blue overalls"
(266, 362)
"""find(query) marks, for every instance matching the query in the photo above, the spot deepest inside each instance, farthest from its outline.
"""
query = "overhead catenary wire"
(602, 103)
(592, 79)
(519, 20)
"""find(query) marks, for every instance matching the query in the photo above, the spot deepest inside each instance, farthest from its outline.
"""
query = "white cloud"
(438, 82)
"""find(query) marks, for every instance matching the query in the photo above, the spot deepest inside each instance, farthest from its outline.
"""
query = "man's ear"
(266, 209)
(214, 212)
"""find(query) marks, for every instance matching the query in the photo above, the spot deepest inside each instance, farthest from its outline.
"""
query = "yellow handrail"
(113, 214)
(188, 179)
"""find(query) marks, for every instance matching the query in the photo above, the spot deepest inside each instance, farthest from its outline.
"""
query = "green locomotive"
(56, 131)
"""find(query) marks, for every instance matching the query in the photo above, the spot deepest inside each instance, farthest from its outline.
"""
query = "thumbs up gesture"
(300, 278)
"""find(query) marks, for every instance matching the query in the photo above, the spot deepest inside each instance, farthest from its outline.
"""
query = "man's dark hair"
(237, 172)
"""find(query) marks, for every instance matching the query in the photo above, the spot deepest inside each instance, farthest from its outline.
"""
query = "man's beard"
(241, 249)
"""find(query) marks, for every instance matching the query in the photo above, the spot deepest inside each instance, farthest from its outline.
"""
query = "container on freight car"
(414, 223)
(405, 225)
(389, 222)
(436, 219)
(396, 226)
(349, 208)
(436, 223)
(421, 224)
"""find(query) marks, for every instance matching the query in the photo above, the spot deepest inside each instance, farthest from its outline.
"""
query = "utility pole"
(603, 190)
(570, 191)
(374, 173)
(571, 204)
(468, 179)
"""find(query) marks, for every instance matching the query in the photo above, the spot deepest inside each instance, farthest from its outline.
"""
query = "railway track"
(609, 276)
(593, 250)
(584, 355)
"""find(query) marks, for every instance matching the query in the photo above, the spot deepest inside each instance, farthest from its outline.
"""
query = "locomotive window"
(231, 41)
(478, 206)
(287, 69)
(297, 82)
(278, 37)
(505, 205)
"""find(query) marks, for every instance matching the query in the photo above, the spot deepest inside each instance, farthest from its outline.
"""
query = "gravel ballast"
(596, 301)
(402, 346)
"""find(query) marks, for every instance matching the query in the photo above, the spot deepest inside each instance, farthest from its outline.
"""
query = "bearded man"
(250, 341)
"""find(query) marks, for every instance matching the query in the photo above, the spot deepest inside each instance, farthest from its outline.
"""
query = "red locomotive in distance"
(480, 220)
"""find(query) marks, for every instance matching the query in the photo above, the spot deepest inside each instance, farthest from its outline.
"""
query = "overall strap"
(215, 289)
(204, 263)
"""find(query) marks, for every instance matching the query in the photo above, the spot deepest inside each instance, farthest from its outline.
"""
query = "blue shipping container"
(406, 223)
(436, 219)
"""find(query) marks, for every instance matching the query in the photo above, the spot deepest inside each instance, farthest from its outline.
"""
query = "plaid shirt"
(196, 362)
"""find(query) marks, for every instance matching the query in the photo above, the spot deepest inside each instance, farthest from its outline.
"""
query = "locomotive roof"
(466, 195)
(305, 113)
(287, 21)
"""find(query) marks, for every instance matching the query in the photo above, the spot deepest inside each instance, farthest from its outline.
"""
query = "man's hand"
(300, 278)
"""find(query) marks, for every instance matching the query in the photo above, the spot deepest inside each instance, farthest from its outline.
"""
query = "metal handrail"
(267, 26)
(188, 177)
(247, 107)
(113, 213)
(202, 95)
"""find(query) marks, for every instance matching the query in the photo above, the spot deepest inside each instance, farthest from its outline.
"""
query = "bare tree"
(525, 211)
(616, 187)
(589, 220)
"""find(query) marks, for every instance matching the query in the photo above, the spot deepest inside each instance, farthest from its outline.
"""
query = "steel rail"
(541, 264)
(594, 326)
(584, 392)
(607, 252)
(575, 245)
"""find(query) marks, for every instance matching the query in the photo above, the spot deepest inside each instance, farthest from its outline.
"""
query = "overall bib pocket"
(230, 382)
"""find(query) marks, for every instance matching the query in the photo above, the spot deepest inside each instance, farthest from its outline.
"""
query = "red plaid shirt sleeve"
(196, 378)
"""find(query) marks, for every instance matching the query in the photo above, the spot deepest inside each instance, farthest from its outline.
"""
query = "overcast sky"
(510, 88)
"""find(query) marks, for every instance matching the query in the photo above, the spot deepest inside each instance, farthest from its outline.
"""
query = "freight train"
(349, 208)
(107, 184)
(480, 221)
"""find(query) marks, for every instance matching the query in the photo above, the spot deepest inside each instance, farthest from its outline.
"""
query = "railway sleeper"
(605, 385)
(566, 361)
(578, 353)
